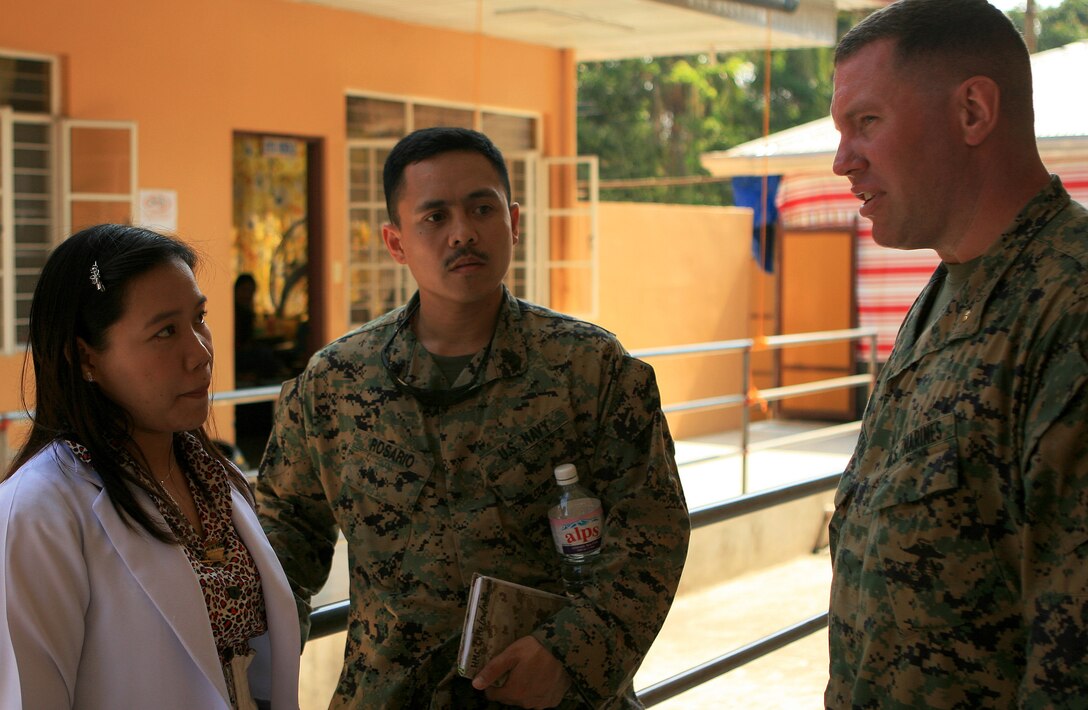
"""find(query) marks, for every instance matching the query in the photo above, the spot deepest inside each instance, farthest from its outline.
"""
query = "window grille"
(56, 175)
(27, 185)
(376, 283)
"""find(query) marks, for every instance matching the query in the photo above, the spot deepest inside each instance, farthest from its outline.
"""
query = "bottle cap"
(566, 473)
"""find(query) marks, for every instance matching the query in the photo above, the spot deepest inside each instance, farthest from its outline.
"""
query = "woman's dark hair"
(80, 294)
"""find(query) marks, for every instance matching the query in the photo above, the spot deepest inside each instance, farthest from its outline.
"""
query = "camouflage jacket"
(427, 496)
(960, 535)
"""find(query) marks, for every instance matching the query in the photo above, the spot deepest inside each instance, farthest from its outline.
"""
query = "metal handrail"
(755, 502)
(329, 619)
(744, 399)
(742, 345)
(248, 396)
(770, 342)
(671, 687)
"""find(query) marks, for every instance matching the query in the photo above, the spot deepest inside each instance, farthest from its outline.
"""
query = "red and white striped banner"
(887, 280)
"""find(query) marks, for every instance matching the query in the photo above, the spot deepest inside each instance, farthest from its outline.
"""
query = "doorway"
(278, 233)
(816, 293)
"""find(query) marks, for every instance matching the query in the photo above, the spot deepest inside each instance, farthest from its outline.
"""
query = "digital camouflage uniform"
(960, 535)
(427, 496)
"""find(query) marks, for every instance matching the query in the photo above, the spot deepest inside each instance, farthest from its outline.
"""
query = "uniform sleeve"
(292, 505)
(44, 593)
(1055, 584)
(604, 637)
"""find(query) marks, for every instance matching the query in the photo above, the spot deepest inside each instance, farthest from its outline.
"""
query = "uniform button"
(966, 315)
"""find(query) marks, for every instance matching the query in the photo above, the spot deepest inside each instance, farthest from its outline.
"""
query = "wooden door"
(817, 293)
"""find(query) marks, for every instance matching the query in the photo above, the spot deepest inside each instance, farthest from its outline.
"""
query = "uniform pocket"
(936, 558)
(375, 509)
(519, 474)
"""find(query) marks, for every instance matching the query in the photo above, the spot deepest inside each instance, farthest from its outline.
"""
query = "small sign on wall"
(158, 210)
(279, 147)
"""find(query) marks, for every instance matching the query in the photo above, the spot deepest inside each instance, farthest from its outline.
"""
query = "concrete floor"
(710, 621)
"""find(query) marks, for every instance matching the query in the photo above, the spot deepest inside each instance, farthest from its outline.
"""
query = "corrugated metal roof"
(1061, 105)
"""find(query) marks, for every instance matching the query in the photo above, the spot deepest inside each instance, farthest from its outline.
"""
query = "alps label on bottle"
(580, 535)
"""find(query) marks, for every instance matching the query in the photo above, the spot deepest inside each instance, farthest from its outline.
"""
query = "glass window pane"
(33, 157)
(516, 281)
(510, 133)
(366, 233)
(36, 133)
(24, 285)
(31, 183)
(365, 175)
(519, 187)
(31, 209)
(32, 199)
(429, 116)
(362, 310)
(25, 84)
(520, 248)
(101, 160)
(375, 118)
(22, 317)
(389, 290)
(360, 175)
(31, 257)
(380, 156)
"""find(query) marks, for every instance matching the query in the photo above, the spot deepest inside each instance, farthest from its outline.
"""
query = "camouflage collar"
(1003, 254)
(414, 372)
(964, 316)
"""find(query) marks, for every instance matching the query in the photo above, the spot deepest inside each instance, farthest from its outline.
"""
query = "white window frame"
(9, 341)
(8, 118)
(54, 74)
(588, 209)
(61, 197)
(530, 202)
(404, 284)
(68, 197)
(7, 226)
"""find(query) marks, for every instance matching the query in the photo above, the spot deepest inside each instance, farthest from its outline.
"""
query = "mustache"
(462, 252)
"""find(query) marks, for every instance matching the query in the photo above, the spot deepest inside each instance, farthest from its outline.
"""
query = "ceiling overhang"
(616, 29)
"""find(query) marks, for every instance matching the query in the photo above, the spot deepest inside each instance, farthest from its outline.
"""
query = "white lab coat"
(95, 614)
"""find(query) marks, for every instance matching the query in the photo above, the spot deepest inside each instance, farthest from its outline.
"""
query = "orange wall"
(192, 73)
(673, 275)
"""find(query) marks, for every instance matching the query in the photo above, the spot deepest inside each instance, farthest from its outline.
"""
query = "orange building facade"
(192, 83)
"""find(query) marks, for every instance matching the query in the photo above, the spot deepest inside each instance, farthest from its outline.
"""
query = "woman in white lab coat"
(133, 571)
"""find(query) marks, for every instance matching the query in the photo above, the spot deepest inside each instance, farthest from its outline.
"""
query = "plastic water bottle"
(577, 527)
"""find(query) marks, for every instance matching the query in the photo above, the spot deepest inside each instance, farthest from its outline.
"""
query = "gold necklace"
(169, 470)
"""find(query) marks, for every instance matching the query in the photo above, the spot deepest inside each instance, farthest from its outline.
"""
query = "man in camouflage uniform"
(960, 535)
(429, 436)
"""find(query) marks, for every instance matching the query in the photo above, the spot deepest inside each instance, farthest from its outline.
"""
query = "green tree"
(655, 117)
(1063, 24)
(1057, 26)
